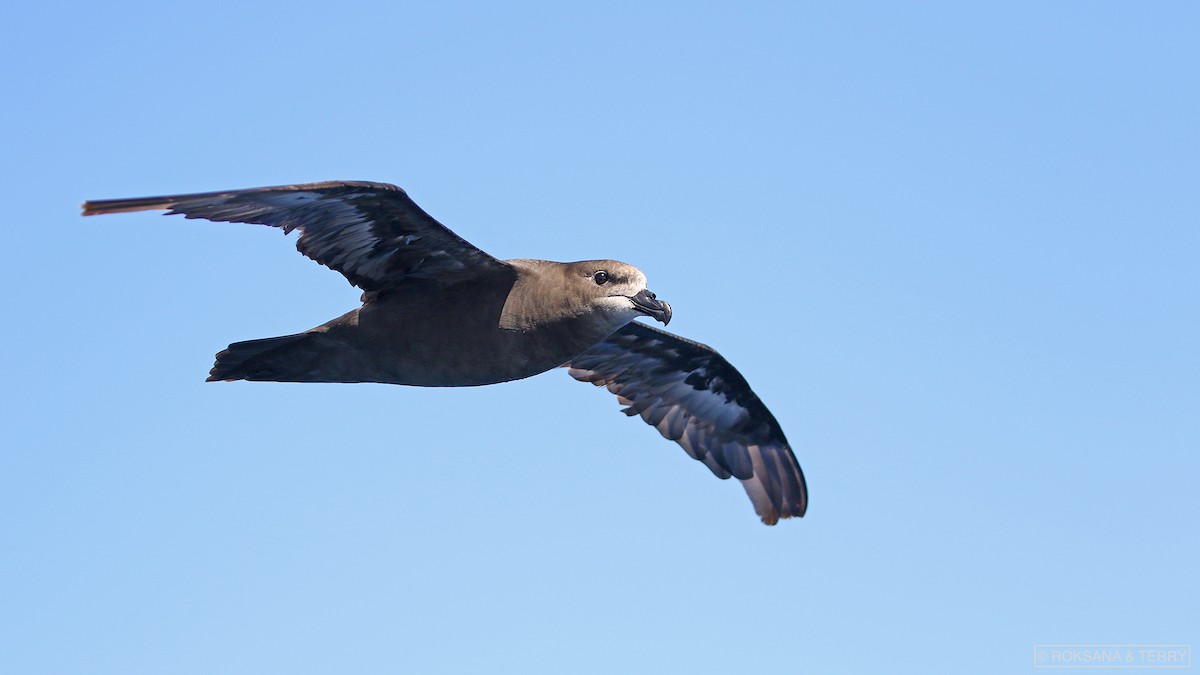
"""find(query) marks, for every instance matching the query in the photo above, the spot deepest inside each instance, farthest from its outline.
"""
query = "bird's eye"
(600, 277)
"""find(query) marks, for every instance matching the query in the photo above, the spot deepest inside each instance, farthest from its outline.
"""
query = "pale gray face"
(610, 292)
(620, 288)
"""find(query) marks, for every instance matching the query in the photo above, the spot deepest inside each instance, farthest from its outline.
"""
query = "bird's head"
(618, 288)
(609, 292)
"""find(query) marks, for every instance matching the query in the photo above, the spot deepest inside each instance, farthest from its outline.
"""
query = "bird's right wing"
(693, 396)
(372, 233)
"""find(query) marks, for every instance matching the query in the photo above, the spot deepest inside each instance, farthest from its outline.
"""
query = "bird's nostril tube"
(651, 294)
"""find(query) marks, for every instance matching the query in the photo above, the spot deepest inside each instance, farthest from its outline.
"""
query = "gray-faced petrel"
(438, 312)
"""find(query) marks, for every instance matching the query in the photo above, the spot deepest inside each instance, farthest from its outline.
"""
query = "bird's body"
(439, 312)
(430, 335)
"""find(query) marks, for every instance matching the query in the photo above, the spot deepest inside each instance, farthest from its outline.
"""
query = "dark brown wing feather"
(694, 397)
(372, 233)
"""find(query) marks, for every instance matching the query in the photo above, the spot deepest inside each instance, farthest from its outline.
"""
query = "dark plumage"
(439, 312)
(693, 396)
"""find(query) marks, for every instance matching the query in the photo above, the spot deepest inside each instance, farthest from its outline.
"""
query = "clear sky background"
(955, 249)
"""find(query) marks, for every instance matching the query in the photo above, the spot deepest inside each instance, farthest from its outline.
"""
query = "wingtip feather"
(99, 207)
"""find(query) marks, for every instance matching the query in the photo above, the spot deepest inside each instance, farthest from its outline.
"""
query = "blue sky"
(954, 248)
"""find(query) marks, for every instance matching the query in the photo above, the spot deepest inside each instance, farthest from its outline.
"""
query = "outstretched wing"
(694, 397)
(370, 232)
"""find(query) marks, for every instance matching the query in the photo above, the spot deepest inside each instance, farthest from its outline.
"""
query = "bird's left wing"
(372, 233)
(693, 396)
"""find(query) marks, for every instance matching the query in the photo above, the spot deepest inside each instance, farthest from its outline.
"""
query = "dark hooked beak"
(646, 303)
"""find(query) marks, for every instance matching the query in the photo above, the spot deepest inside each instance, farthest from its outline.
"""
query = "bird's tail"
(289, 358)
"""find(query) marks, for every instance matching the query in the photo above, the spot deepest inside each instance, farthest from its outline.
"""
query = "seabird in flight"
(438, 312)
